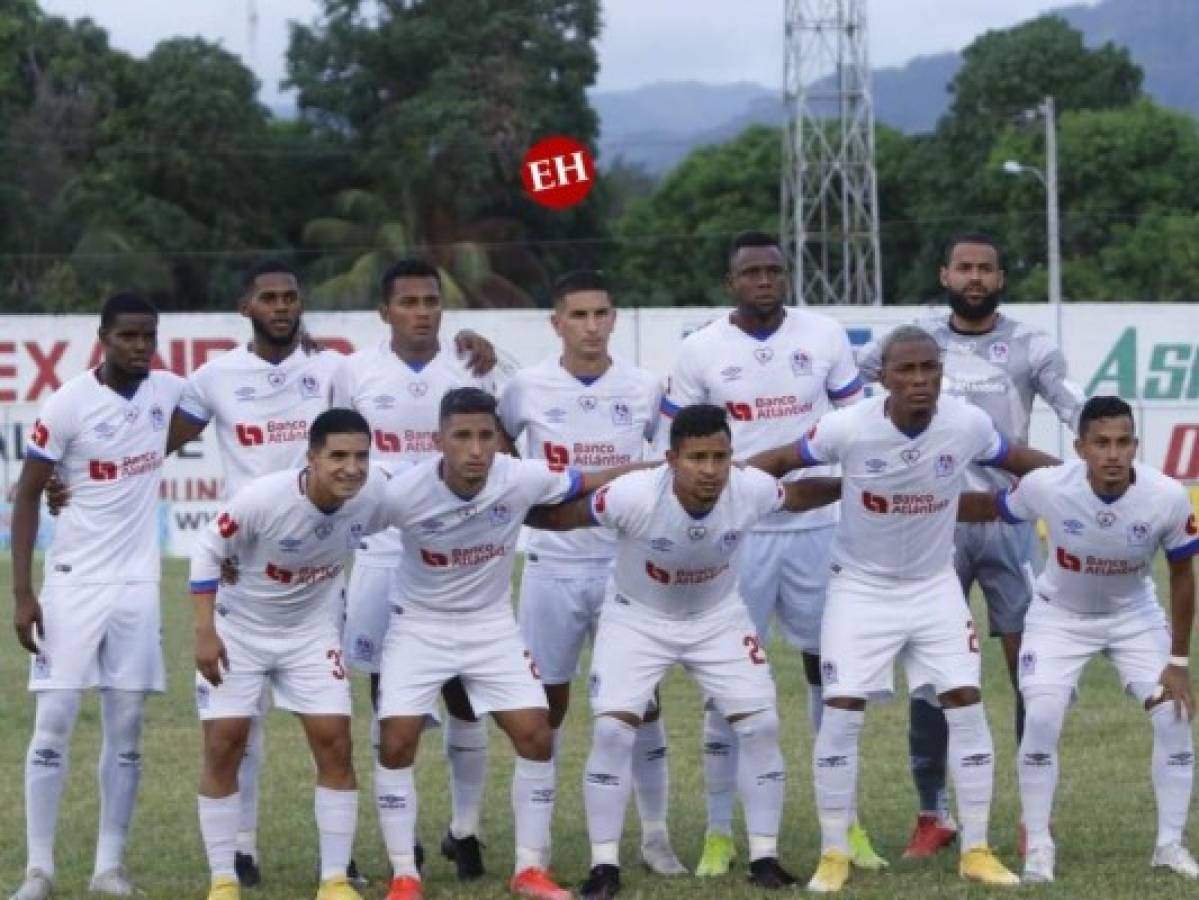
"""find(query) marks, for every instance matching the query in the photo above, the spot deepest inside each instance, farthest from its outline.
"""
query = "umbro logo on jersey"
(103, 430)
(662, 545)
(697, 532)
(1073, 526)
(732, 373)
(875, 466)
(555, 416)
(245, 393)
(291, 545)
(418, 388)
(763, 355)
(276, 379)
(1138, 534)
(588, 402)
(1105, 518)
(383, 401)
(621, 415)
(323, 530)
(431, 526)
(801, 363)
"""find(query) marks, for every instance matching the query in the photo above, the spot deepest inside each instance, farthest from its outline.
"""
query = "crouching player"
(1107, 517)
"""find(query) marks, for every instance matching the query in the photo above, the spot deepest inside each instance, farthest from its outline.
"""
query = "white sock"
(466, 751)
(835, 765)
(1173, 772)
(720, 771)
(972, 766)
(249, 771)
(396, 801)
(46, 765)
(761, 780)
(607, 783)
(815, 706)
(336, 821)
(1044, 713)
(218, 827)
(533, 791)
(119, 772)
(651, 777)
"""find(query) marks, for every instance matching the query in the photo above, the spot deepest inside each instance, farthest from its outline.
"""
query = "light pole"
(1048, 180)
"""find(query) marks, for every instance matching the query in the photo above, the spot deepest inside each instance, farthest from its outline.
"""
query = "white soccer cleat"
(1038, 865)
(38, 886)
(659, 857)
(112, 883)
(1176, 858)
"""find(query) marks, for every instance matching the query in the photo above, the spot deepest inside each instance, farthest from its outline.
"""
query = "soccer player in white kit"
(1107, 518)
(585, 408)
(460, 514)
(776, 370)
(97, 621)
(675, 600)
(893, 592)
(291, 534)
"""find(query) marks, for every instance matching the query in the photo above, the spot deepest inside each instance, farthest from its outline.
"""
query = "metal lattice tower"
(830, 189)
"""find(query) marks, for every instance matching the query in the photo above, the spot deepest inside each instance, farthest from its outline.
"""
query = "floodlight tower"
(829, 186)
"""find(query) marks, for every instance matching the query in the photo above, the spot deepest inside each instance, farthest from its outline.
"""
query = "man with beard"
(1001, 366)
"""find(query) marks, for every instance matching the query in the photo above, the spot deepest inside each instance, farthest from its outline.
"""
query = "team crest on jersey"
(1073, 526)
(355, 534)
(828, 671)
(729, 539)
(1028, 662)
(943, 467)
(158, 419)
(291, 545)
(501, 514)
(621, 414)
(1138, 534)
(801, 363)
(998, 353)
(418, 388)
(662, 545)
(276, 379)
(41, 666)
(363, 648)
(910, 455)
(697, 532)
(323, 530)
(875, 466)
(244, 393)
(1105, 518)
(104, 430)
(310, 387)
(732, 373)
(555, 416)
(763, 355)
(384, 401)
(202, 695)
(587, 402)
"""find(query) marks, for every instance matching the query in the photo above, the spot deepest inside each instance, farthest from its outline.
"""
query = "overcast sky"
(643, 40)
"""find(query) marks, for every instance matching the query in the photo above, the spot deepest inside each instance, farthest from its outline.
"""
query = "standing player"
(398, 385)
(290, 533)
(584, 408)
(460, 514)
(1107, 518)
(776, 370)
(893, 592)
(1001, 366)
(97, 621)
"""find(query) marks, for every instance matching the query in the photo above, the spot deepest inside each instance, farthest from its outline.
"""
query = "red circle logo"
(558, 172)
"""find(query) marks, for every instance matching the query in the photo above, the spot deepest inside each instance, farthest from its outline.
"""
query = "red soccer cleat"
(929, 837)
(406, 888)
(536, 883)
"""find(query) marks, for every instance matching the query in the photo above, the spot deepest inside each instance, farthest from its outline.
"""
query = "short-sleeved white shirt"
(290, 553)
(590, 425)
(108, 450)
(774, 387)
(1101, 551)
(677, 564)
(458, 552)
(899, 492)
(262, 410)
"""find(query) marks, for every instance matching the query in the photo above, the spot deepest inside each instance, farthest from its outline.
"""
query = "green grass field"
(1104, 820)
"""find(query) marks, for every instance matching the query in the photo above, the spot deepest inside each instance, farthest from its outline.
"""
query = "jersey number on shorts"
(971, 637)
(339, 670)
(532, 665)
(757, 655)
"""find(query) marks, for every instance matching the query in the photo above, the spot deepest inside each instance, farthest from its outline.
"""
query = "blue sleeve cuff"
(1186, 551)
(848, 390)
(668, 409)
(38, 454)
(199, 420)
(1005, 511)
(576, 484)
(204, 587)
(805, 453)
(591, 514)
(1000, 456)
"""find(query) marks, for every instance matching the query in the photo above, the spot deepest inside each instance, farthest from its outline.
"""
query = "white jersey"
(459, 552)
(108, 451)
(774, 387)
(594, 424)
(899, 492)
(678, 565)
(263, 409)
(402, 403)
(290, 554)
(1101, 550)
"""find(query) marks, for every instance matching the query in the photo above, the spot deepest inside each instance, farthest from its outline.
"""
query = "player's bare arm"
(1176, 679)
(183, 429)
(811, 493)
(27, 612)
(596, 479)
(479, 352)
(1021, 460)
(211, 658)
(977, 506)
(562, 517)
(778, 461)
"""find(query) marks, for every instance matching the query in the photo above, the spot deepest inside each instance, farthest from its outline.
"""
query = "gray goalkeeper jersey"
(1001, 371)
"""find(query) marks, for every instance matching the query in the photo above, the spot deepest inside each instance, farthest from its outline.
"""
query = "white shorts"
(99, 635)
(784, 574)
(559, 609)
(871, 621)
(368, 610)
(1057, 645)
(304, 670)
(636, 646)
(421, 653)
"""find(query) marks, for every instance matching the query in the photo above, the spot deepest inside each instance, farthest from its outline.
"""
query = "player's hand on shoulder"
(27, 620)
(1175, 686)
(211, 659)
(479, 352)
(57, 494)
(308, 343)
(229, 570)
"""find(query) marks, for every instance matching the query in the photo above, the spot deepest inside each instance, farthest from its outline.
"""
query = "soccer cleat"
(861, 852)
(929, 837)
(1038, 865)
(37, 886)
(223, 888)
(113, 883)
(357, 880)
(980, 864)
(766, 873)
(466, 854)
(831, 873)
(537, 884)
(719, 854)
(405, 888)
(659, 857)
(603, 883)
(246, 867)
(1176, 858)
(1022, 839)
(337, 889)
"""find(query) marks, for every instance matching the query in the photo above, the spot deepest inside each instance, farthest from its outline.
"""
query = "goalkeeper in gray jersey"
(1000, 365)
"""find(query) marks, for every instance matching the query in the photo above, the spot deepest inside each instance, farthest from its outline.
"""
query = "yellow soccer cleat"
(338, 888)
(223, 888)
(980, 864)
(719, 853)
(831, 874)
(861, 852)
